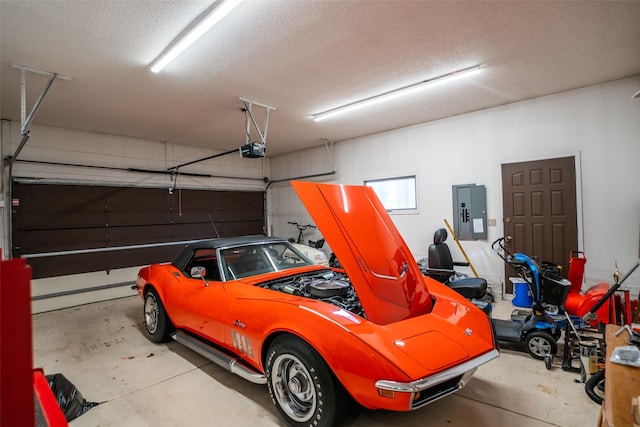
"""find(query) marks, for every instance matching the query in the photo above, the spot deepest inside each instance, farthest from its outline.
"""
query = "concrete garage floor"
(101, 348)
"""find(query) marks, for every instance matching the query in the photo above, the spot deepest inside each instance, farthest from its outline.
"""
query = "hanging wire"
(179, 196)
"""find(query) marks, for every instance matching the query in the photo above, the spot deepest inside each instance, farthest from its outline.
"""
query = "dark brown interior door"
(539, 205)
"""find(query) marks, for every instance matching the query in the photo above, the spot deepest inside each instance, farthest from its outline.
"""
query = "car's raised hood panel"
(370, 249)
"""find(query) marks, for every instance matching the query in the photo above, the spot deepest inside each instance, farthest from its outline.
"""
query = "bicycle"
(301, 228)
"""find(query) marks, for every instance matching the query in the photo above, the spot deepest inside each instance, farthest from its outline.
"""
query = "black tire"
(548, 361)
(301, 386)
(156, 322)
(539, 344)
(595, 387)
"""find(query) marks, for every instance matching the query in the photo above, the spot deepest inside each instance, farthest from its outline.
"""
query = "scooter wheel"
(548, 361)
(539, 344)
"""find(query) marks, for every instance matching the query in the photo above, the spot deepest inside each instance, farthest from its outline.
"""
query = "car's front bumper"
(434, 387)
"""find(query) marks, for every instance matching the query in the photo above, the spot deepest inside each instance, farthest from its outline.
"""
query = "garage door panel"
(50, 218)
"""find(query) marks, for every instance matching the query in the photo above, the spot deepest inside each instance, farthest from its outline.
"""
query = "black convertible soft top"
(224, 242)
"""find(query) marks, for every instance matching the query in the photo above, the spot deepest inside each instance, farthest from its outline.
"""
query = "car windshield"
(250, 260)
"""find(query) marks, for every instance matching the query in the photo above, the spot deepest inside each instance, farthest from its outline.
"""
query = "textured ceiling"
(302, 57)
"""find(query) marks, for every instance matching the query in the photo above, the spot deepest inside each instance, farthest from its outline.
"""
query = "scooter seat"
(470, 287)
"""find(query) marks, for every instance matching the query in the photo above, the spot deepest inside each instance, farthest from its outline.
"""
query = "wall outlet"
(491, 222)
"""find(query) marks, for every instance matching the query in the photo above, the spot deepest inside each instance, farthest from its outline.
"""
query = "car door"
(197, 304)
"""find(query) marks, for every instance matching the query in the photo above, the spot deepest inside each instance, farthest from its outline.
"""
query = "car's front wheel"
(156, 321)
(301, 385)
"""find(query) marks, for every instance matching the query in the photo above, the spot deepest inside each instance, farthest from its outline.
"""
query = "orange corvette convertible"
(378, 332)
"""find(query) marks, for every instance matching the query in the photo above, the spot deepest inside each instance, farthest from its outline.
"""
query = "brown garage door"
(51, 218)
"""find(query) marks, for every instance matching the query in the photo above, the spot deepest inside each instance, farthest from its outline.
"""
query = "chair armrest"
(429, 271)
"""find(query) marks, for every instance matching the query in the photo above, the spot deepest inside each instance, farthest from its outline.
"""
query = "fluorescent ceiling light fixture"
(194, 34)
(405, 90)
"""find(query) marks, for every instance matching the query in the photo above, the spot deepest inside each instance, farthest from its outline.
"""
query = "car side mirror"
(198, 272)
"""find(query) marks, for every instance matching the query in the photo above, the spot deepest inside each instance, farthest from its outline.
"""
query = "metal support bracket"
(25, 121)
(248, 104)
(328, 144)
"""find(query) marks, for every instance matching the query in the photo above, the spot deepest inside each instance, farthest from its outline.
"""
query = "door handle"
(509, 238)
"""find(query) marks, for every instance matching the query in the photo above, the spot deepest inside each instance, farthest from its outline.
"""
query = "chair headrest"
(439, 236)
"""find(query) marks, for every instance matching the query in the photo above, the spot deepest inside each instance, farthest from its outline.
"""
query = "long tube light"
(194, 34)
(405, 90)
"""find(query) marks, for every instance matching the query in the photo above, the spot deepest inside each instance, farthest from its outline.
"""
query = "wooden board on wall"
(49, 218)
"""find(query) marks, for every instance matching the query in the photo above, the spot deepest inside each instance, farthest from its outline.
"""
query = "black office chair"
(441, 268)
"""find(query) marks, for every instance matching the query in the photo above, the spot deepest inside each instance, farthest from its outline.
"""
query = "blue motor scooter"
(537, 332)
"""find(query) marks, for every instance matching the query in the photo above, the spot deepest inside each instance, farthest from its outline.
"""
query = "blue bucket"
(522, 296)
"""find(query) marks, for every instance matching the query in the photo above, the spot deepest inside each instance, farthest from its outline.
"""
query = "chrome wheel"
(151, 313)
(156, 321)
(301, 385)
(293, 387)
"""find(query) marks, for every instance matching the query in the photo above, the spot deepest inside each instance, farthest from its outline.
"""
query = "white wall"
(58, 145)
(599, 125)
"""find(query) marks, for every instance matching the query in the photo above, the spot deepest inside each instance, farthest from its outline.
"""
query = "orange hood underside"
(371, 250)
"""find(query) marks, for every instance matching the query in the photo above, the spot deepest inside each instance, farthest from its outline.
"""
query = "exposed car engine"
(327, 285)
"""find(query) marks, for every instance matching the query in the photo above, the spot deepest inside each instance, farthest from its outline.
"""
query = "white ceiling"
(302, 57)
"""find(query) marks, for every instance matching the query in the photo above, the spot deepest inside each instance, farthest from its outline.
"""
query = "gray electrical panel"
(470, 211)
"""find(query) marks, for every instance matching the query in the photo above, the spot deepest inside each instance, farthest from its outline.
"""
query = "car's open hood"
(370, 249)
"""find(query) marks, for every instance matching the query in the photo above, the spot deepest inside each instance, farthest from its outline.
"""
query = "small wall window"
(395, 193)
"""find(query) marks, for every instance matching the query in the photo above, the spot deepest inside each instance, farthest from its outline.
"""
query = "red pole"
(627, 307)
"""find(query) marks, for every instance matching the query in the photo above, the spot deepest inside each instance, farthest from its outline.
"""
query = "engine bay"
(326, 285)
